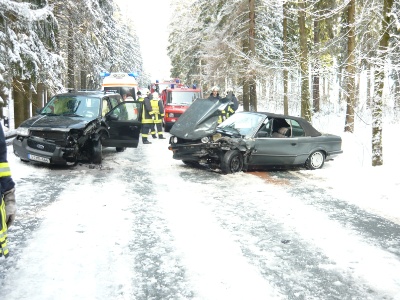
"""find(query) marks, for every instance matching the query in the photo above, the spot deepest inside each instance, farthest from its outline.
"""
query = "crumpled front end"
(209, 150)
(60, 147)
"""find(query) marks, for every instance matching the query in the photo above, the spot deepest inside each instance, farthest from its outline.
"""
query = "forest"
(299, 57)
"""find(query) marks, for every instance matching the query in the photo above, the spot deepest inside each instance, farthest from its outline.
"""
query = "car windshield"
(72, 105)
(244, 123)
(186, 97)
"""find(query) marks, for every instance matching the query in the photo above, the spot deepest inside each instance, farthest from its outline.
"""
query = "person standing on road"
(147, 119)
(158, 115)
(7, 196)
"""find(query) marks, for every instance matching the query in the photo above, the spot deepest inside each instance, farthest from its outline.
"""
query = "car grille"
(49, 135)
(43, 146)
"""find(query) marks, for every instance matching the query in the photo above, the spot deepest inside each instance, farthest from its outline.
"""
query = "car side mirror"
(262, 134)
(113, 117)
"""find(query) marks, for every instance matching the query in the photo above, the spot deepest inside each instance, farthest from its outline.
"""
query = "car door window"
(114, 102)
(297, 130)
(106, 108)
(265, 130)
(126, 111)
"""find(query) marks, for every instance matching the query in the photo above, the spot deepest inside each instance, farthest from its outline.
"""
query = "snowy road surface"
(144, 226)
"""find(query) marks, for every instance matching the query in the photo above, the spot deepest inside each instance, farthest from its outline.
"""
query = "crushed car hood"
(199, 120)
(59, 122)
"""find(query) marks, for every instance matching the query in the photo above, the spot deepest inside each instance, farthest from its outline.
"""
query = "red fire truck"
(176, 99)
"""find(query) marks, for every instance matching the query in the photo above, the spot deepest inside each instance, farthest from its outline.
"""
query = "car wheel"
(120, 149)
(97, 152)
(232, 162)
(315, 160)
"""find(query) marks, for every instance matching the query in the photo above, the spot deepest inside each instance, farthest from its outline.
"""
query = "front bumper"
(39, 150)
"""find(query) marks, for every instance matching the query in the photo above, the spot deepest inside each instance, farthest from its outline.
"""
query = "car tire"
(120, 149)
(97, 150)
(315, 160)
(232, 162)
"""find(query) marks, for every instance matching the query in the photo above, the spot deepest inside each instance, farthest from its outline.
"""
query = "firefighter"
(158, 115)
(233, 103)
(214, 94)
(147, 119)
(139, 96)
(7, 196)
(215, 97)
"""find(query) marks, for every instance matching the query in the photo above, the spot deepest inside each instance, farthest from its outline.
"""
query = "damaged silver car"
(248, 140)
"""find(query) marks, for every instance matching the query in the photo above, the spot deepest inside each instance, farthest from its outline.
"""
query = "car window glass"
(265, 130)
(127, 111)
(106, 108)
(114, 102)
(297, 130)
(246, 124)
(71, 104)
(186, 97)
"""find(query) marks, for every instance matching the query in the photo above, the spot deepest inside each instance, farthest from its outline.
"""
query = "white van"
(122, 83)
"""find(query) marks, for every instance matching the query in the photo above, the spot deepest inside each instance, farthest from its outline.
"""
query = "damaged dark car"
(75, 126)
(248, 140)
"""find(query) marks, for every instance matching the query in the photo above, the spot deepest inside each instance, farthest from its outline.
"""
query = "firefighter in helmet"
(147, 118)
(158, 115)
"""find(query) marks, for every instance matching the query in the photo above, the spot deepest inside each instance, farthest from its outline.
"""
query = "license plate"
(39, 158)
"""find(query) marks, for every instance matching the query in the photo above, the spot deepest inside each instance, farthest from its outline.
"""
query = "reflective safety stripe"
(3, 230)
(5, 169)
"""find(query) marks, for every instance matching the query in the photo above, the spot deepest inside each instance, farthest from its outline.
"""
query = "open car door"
(124, 125)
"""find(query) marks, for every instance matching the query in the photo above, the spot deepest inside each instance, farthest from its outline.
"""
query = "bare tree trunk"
(22, 100)
(246, 89)
(315, 78)
(377, 148)
(71, 57)
(350, 68)
(285, 61)
(252, 48)
(305, 92)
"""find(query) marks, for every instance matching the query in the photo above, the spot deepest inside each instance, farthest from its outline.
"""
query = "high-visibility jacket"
(157, 110)
(5, 173)
(3, 229)
(147, 118)
(6, 184)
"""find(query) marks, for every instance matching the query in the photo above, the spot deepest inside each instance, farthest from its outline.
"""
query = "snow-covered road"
(144, 226)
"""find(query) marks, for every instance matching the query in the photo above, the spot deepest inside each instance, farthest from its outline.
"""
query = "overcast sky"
(151, 19)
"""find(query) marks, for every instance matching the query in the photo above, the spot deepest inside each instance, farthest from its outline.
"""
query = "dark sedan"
(248, 140)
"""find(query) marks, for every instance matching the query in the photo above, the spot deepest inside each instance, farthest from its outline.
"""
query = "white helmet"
(228, 90)
(155, 95)
(145, 91)
(215, 88)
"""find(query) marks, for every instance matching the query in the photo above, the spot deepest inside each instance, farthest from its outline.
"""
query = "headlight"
(174, 139)
(171, 115)
(205, 139)
(23, 131)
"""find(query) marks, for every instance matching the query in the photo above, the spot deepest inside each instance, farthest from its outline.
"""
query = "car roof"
(87, 93)
(308, 128)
